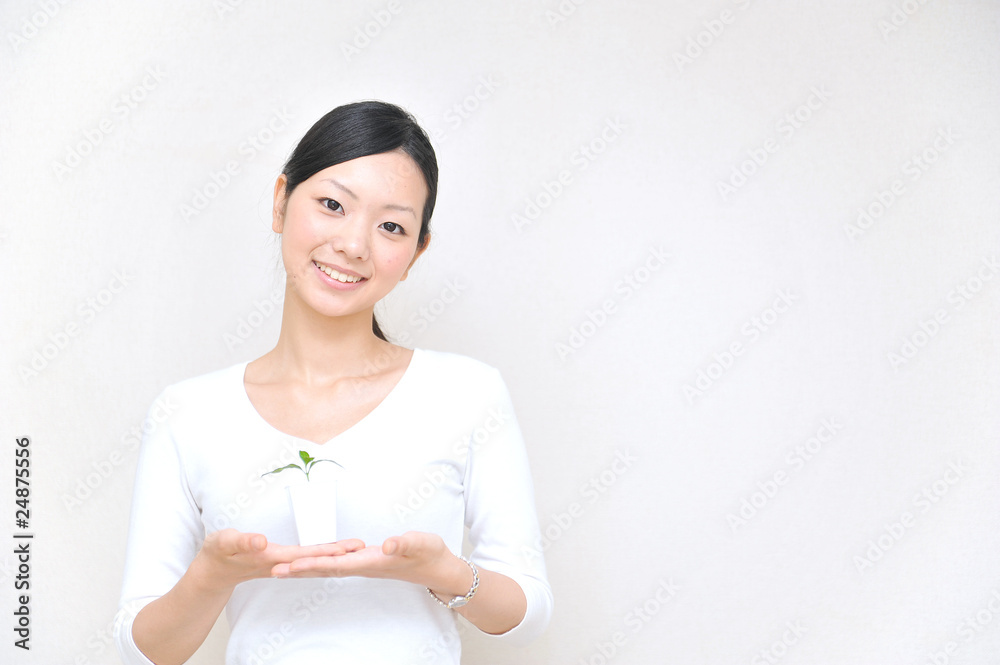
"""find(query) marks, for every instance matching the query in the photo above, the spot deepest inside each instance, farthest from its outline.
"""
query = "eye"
(330, 204)
(394, 228)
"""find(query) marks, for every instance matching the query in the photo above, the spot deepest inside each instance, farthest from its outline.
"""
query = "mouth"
(342, 277)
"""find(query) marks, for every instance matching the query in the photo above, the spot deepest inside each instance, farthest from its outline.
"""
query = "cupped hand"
(414, 556)
(228, 557)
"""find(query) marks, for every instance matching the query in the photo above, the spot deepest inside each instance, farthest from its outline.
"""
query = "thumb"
(392, 546)
(254, 542)
(408, 544)
(400, 546)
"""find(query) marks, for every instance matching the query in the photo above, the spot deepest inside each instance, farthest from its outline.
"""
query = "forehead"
(388, 173)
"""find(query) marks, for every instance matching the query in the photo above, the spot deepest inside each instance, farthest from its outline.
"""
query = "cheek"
(294, 255)
(395, 260)
(397, 263)
(300, 237)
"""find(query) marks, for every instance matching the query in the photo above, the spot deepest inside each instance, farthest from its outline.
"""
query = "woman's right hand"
(171, 628)
(228, 557)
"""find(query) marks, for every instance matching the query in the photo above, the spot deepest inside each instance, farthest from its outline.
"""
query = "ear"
(280, 201)
(427, 242)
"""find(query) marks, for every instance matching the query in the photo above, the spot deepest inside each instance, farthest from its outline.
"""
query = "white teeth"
(340, 277)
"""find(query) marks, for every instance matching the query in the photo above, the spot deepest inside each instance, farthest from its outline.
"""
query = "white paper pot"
(314, 506)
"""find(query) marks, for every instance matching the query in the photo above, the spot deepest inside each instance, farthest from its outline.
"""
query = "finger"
(291, 552)
(410, 544)
(327, 549)
(346, 545)
(244, 543)
(369, 561)
(231, 541)
(352, 544)
(316, 566)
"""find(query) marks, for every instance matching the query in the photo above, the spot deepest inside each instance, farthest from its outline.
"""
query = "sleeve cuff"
(539, 599)
(127, 649)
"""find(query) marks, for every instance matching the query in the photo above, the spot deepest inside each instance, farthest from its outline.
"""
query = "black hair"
(358, 130)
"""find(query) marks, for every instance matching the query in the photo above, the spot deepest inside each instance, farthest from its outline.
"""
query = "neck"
(315, 349)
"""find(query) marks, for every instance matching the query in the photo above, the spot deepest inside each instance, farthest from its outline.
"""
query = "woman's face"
(349, 233)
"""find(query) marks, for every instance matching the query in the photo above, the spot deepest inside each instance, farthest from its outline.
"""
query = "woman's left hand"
(423, 559)
(415, 556)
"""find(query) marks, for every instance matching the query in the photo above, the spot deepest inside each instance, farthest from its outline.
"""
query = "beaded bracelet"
(459, 601)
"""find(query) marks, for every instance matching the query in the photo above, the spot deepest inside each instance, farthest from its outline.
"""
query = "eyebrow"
(388, 206)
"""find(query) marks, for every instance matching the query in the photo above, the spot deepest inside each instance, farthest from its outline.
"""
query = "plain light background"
(577, 141)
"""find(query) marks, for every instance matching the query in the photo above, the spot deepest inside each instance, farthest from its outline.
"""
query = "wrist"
(203, 577)
(459, 587)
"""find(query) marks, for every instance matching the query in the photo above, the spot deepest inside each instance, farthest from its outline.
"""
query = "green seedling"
(307, 460)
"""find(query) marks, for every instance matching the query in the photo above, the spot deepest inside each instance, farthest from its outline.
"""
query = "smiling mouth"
(339, 276)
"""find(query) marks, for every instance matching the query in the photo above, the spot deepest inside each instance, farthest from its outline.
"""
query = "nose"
(350, 238)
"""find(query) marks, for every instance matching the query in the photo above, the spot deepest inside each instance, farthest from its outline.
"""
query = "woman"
(425, 444)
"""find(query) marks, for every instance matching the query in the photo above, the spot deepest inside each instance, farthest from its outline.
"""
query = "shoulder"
(199, 393)
(452, 388)
(457, 382)
(209, 383)
(454, 367)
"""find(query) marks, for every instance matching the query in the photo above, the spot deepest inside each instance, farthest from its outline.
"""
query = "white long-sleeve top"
(441, 452)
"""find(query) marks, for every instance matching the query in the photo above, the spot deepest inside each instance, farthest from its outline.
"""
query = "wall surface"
(736, 260)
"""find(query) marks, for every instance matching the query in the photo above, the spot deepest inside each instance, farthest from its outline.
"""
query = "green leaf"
(317, 461)
(280, 469)
(306, 457)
